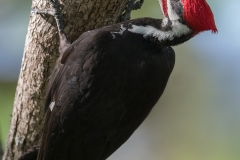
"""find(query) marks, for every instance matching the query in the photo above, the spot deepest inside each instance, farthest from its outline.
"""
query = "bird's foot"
(132, 5)
(55, 11)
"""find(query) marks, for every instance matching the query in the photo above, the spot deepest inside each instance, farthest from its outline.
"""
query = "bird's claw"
(44, 11)
(55, 11)
(137, 5)
(132, 5)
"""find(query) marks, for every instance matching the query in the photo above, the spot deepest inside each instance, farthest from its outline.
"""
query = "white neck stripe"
(171, 13)
(178, 29)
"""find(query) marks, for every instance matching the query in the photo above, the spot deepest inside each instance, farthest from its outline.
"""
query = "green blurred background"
(198, 116)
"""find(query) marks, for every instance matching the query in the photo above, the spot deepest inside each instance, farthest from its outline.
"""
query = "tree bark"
(40, 54)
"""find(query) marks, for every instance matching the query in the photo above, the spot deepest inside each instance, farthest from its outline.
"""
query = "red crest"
(198, 15)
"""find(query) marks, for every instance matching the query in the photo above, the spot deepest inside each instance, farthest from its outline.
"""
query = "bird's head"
(196, 14)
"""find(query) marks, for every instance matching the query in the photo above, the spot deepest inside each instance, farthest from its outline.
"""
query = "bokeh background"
(198, 116)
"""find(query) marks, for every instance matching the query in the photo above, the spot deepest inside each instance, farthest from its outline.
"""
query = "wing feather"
(102, 94)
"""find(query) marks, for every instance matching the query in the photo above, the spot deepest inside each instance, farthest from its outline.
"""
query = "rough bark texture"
(40, 53)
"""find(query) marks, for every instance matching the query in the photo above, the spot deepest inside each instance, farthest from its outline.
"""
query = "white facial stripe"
(172, 15)
(178, 29)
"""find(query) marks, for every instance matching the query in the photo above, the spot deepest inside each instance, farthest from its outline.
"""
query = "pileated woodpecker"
(108, 80)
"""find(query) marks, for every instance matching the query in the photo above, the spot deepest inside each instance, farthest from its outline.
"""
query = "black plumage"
(105, 88)
(106, 82)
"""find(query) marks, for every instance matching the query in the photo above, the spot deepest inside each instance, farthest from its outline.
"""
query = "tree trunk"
(40, 53)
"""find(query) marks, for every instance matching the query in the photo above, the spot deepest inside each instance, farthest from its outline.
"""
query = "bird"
(106, 82)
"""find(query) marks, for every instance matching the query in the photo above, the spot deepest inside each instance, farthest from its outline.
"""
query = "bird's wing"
(101, 94)
(63, 95)
(64, 137)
